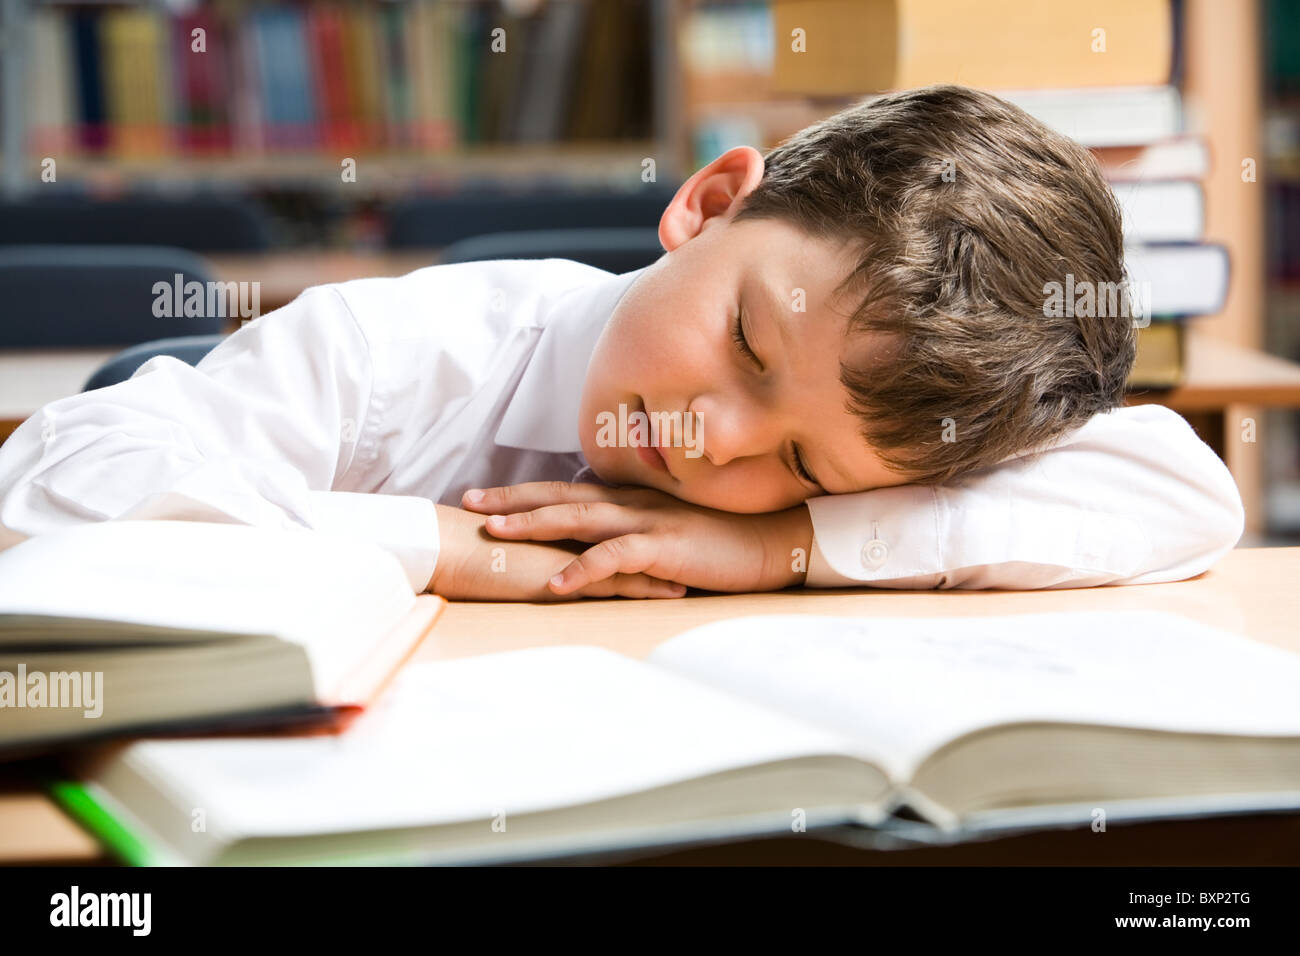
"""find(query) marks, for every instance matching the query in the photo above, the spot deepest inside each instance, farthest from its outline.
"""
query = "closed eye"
(800, 469)
(741, 340)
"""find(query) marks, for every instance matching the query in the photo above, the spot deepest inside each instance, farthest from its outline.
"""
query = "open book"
(132, 626)
(750, 726)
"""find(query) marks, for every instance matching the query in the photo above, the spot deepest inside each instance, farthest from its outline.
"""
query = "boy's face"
(730, 424)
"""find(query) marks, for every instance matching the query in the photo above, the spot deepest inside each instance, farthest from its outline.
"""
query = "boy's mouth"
(651, 454)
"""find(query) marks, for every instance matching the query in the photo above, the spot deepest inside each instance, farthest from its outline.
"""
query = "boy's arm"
(259, 434)
(1132, 497)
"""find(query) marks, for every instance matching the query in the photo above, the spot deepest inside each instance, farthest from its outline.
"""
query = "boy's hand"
(474, 567)
(640, 530)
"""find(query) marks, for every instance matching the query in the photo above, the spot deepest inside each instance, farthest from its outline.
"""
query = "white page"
(328, 592)
(910, 685)
(469, 739)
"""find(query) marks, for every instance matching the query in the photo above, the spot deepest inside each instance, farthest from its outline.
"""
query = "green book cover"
(78, 801)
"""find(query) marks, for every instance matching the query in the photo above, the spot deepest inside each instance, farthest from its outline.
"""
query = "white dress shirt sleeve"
(261, 432)
(1131, 497)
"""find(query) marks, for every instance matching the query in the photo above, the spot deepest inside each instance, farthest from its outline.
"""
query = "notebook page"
(330, 593)
(470, 739)
(910, 685)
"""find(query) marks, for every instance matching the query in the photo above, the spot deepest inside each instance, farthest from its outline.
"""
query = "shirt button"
(874, 553)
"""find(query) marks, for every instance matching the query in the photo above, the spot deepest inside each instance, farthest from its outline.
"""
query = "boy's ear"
(715, 191)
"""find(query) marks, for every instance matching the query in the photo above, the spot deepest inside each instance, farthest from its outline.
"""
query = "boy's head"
(868, 300)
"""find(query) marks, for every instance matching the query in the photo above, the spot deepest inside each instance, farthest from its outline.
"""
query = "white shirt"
(357, 406)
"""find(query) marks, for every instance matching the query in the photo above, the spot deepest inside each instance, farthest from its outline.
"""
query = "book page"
(910, 685)
(333, 594)
(476, 738)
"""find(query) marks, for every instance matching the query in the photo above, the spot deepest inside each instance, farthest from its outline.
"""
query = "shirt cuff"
(881, 535)
(404, 525)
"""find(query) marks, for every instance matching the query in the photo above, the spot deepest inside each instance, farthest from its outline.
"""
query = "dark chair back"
(614, 250)
(53, 296)
(200, 223)
(189, 349)
(434, 221)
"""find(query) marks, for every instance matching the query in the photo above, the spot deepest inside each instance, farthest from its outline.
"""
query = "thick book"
(1161, 360)
(87, 41)
(50, 78)
(126, 627)
(865, 46)
(923, 730)
(1106, 116)
(203, 87)
(1184, 157)
(339, 128)
(1169, 210)
(548, 74)
(1178, 279)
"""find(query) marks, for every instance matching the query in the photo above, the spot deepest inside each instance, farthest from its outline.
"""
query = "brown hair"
(964, 209)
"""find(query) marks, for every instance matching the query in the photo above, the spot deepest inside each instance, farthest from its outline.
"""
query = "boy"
(847, 340)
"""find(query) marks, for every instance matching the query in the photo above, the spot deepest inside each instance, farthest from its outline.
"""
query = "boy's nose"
(727, 431)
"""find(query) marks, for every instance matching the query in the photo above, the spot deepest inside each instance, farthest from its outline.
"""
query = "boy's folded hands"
(644, 542)
(473, 566)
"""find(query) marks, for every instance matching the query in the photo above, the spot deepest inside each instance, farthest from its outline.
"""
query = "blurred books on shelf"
(864, 46)
(1281, 30)
(1161, 356)
(1184, 280)
(1100, 117)
(726, 57)
(244, 80)
(1161, 210)
(1183, 158)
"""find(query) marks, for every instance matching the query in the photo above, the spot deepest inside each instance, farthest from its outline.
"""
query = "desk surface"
(1252, 591)
(1221, 374)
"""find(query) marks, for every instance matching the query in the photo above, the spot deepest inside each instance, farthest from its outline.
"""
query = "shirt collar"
(543, 412)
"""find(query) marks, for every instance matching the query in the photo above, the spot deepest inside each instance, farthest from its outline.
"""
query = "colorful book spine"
(247, 78)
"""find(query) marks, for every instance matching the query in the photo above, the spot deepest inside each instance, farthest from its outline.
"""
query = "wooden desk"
(1251, 591)
(284, 275)
(1220, 375)
(32, 378)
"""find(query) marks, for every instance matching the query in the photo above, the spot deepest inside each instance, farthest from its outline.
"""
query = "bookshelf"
(421, 93)
(1282, 330)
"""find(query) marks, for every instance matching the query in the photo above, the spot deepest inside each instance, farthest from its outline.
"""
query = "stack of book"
(878, 732)
(264, 675)
(247, 78)
(185, 626)
(1105, 73)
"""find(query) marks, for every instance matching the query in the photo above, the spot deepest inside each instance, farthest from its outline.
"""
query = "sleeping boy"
(846, 354)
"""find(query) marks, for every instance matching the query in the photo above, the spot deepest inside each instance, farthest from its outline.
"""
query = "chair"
(434, 221)
(189, 349)
(85, 296)
(200, 223)
(614, 250)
